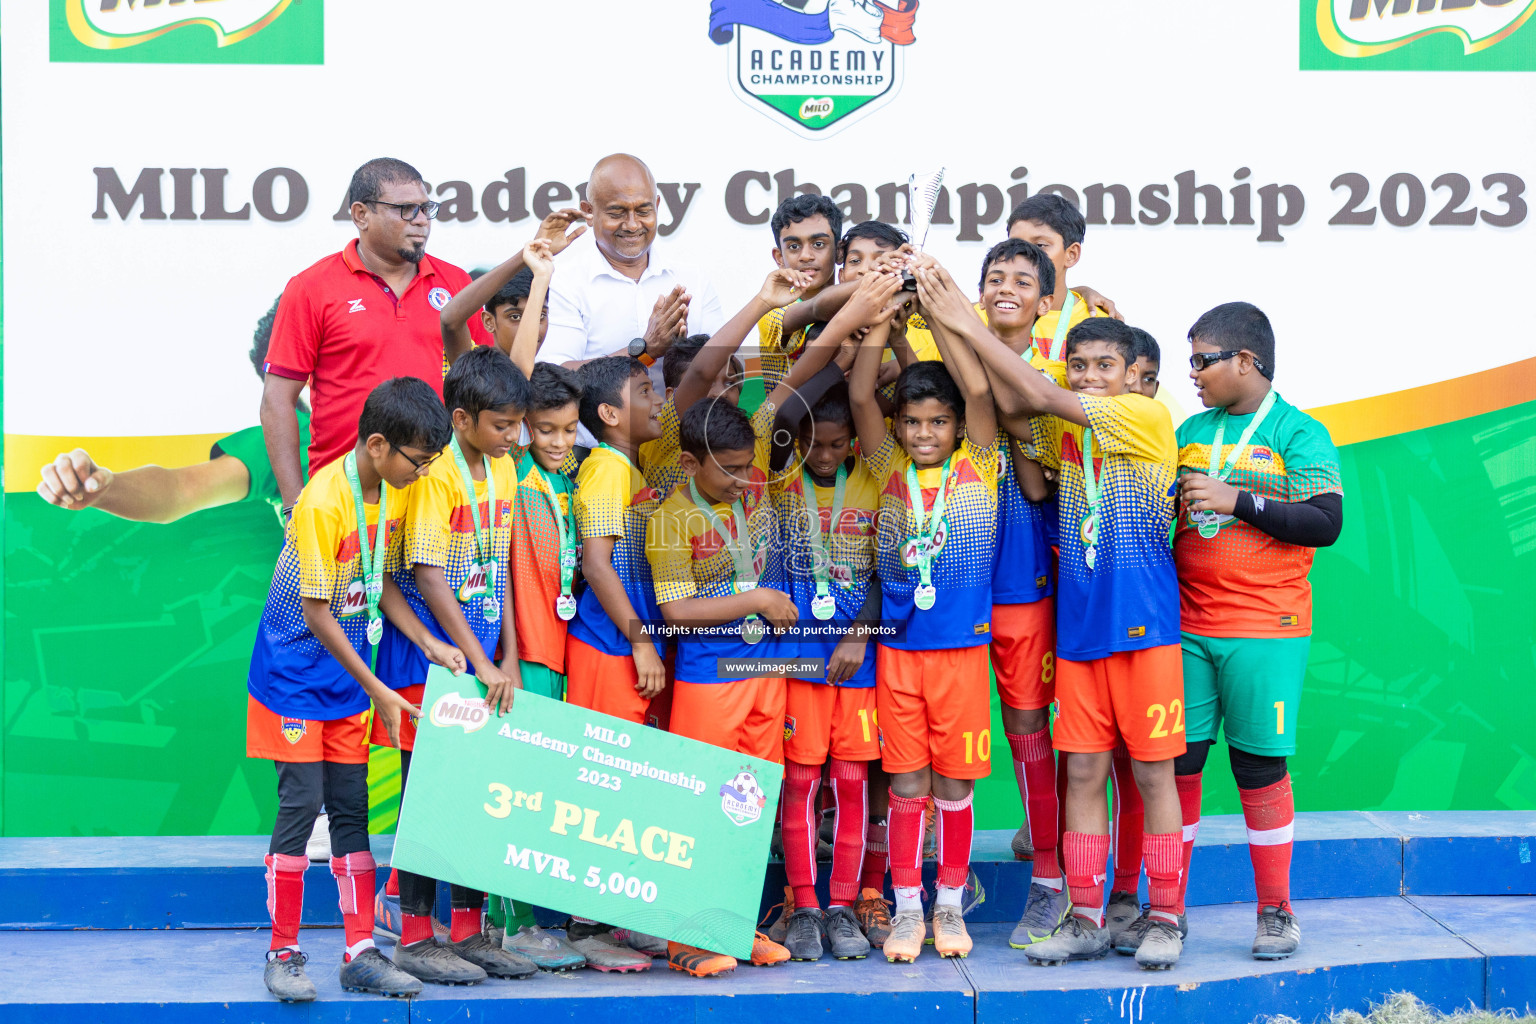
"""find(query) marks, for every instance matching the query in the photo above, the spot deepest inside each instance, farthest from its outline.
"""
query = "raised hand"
(554, 229)
(783, 286)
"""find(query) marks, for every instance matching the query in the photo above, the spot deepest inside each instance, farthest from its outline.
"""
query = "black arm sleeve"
(794, 411)
(869, 615)
(1314, 523)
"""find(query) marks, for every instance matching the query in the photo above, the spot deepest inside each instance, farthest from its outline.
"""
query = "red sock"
(1270, 814)
(798, 826)
(1129, 818)
(285, 897)
(414, 928)
(464, 922)
(1164, 856)
(392, 883)
(850, 783)
(957, 825)
(1189, 806)
(354, 884)
(1034, 767)
(905, 831)
(876, 854)
(1086, 855)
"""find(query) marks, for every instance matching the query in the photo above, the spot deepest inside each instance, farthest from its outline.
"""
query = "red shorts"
(935, 709)
(820, 718)
(274, 737)
(1024, 653)
(1135, 696)
(380, 736)
(746, 715)
(603, 682)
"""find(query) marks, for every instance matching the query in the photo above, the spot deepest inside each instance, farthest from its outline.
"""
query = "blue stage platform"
(1441, 905)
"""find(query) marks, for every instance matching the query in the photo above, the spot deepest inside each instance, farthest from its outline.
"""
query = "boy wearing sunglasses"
(1259, 489)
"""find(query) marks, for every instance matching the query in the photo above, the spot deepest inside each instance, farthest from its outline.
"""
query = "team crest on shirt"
(1261, 455)
(789, 728)
(743, 799)
(293, 730)
(816, 66)
(437, 298)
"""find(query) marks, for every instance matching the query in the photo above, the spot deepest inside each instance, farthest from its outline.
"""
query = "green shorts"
(542, 680)
(1250, 687)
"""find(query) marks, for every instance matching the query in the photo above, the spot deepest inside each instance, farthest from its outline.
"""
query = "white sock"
(949, 896)
(1051, 883)
(909, 898)
(357, 947)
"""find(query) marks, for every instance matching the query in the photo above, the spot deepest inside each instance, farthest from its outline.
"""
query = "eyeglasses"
(408, 211)
(423, 464)
(1205, 360)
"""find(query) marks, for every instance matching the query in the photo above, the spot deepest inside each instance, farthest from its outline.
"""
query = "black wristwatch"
(637, 351)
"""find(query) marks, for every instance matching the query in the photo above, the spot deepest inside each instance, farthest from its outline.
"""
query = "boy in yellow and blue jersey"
(1057, 227)
(457, 536)
(311, 681)
(806, 230)
(1118, 672)
(938, 524)
(1017, 280)
(827, 502)
(717, 557)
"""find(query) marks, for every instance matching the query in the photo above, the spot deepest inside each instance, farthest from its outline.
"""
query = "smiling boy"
(1119, 675)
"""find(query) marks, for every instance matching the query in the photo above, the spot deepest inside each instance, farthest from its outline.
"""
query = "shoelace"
(295, 960)
(777, 906)
(1273, 924)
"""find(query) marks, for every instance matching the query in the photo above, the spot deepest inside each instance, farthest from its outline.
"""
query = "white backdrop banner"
(154, 206)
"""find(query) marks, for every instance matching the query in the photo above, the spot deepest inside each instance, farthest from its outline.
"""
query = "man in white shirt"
(616, 287)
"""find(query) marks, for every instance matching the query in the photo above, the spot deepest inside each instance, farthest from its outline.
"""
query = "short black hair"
(602, 383)
(888, 235)
(679, 357)
(833, 408)
(369, 180)
(1055, 213)
(928, 379)
(484, 378)
(1104, 328)
(715, 425)
(262, 339)
(552, 386)
(1147, 347)
(519, 287)
(408, 413)
(1239, 325)
(799, 208)
(1010, 249)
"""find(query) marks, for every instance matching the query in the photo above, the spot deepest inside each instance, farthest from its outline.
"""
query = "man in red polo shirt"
(357, 318)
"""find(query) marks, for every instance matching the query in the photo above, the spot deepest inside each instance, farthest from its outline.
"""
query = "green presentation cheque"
(588, 814)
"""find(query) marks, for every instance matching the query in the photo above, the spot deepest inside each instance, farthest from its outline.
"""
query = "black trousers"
(302, 789)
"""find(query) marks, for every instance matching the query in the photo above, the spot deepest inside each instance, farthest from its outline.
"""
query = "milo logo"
(816, 107)
(355, 601)
(468, 713)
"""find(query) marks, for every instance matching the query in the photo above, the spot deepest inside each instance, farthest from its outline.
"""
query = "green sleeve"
(250, 447)
(1311, 460)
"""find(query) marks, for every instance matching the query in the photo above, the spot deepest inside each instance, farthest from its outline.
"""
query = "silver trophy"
(922, 196)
